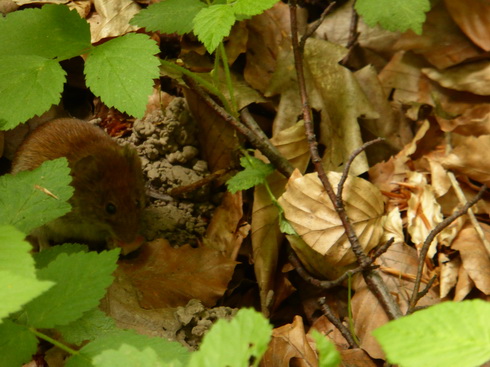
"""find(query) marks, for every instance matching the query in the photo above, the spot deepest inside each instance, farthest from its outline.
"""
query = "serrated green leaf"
(170, 16)
(18, 282)
(127, 355)
(81, 281)
(25, 204)
(45, 79)
(91, 325)
(121, 72)
(212, 24)
(43, 258)
(328, 355)
(50, 32)
(166, 350)
(17, 344)
(255, 173)
(447, 334)
(394, 15)
(252, 7)
(246, 338)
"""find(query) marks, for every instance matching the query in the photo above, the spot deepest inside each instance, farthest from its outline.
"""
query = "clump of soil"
(194, 320)
(168, 146)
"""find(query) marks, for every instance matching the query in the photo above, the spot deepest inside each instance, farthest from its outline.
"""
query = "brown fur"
(103, 172)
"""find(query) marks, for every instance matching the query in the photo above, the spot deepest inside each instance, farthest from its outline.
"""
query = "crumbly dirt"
(167, 144)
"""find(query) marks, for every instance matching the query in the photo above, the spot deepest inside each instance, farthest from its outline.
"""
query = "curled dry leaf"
(471, 77)
(311, 213)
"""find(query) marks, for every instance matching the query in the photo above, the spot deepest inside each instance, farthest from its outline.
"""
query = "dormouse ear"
(84, 166)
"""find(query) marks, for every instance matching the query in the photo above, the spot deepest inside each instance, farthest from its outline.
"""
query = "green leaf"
(166, 350)
(329, 356)
(128, 355)
(234, 343)
(17, 344)
(255, 173)
(18, 282)
(24, 202)
(50, 32)
(43, 258)
(91, 325)
(212, 24)
(170, 16)
(252, 7)
(44, 78)
(447, 334)
(81, 281)
(121, 72)
(394, 15)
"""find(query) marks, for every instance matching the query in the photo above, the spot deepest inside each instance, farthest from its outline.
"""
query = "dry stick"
(425, 248)
(314, 26)
(324, 284)
(353, 35)
(373, 280)
(337, 323)
(257, 142)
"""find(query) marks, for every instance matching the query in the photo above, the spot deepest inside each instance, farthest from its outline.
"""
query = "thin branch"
(257, 142)
(337, 323)
(314, 26)
(348, 164)
(353, 35)
(375, 283)
(425, 248)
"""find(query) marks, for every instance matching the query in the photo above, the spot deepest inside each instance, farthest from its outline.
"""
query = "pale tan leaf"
(343, 101)
(266, 236)
(473, 77)
(473, 120)
(474, 256)
(423, 212)
(466, 158)
(473, 17)
(464, 285)
(449, 273)
(289, 343)
(309, 210)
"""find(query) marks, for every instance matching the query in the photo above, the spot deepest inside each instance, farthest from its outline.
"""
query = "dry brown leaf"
(442, 43)
(466, 157)
(290, 346)
(474, 120)
(473, 77)
(309, 210)
(112, 18)
(226, 231)
(356, 358)
(400, 266)
(473, 17)
(342, 99)
(474, 256)
(164, 276)
(217, 139)
(266, 236)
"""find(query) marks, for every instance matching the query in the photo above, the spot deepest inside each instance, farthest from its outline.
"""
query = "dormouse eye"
(110, 208)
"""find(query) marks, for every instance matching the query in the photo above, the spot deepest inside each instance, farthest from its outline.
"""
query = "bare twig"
(374, 282)
(348, 164)
(337, 323)
(353, 35)
(425, 247)
(257, 142)
(314, 26)
(324, 284)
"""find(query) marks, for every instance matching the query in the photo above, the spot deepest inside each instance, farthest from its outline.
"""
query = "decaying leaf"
(164, 276)
(311, 213)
